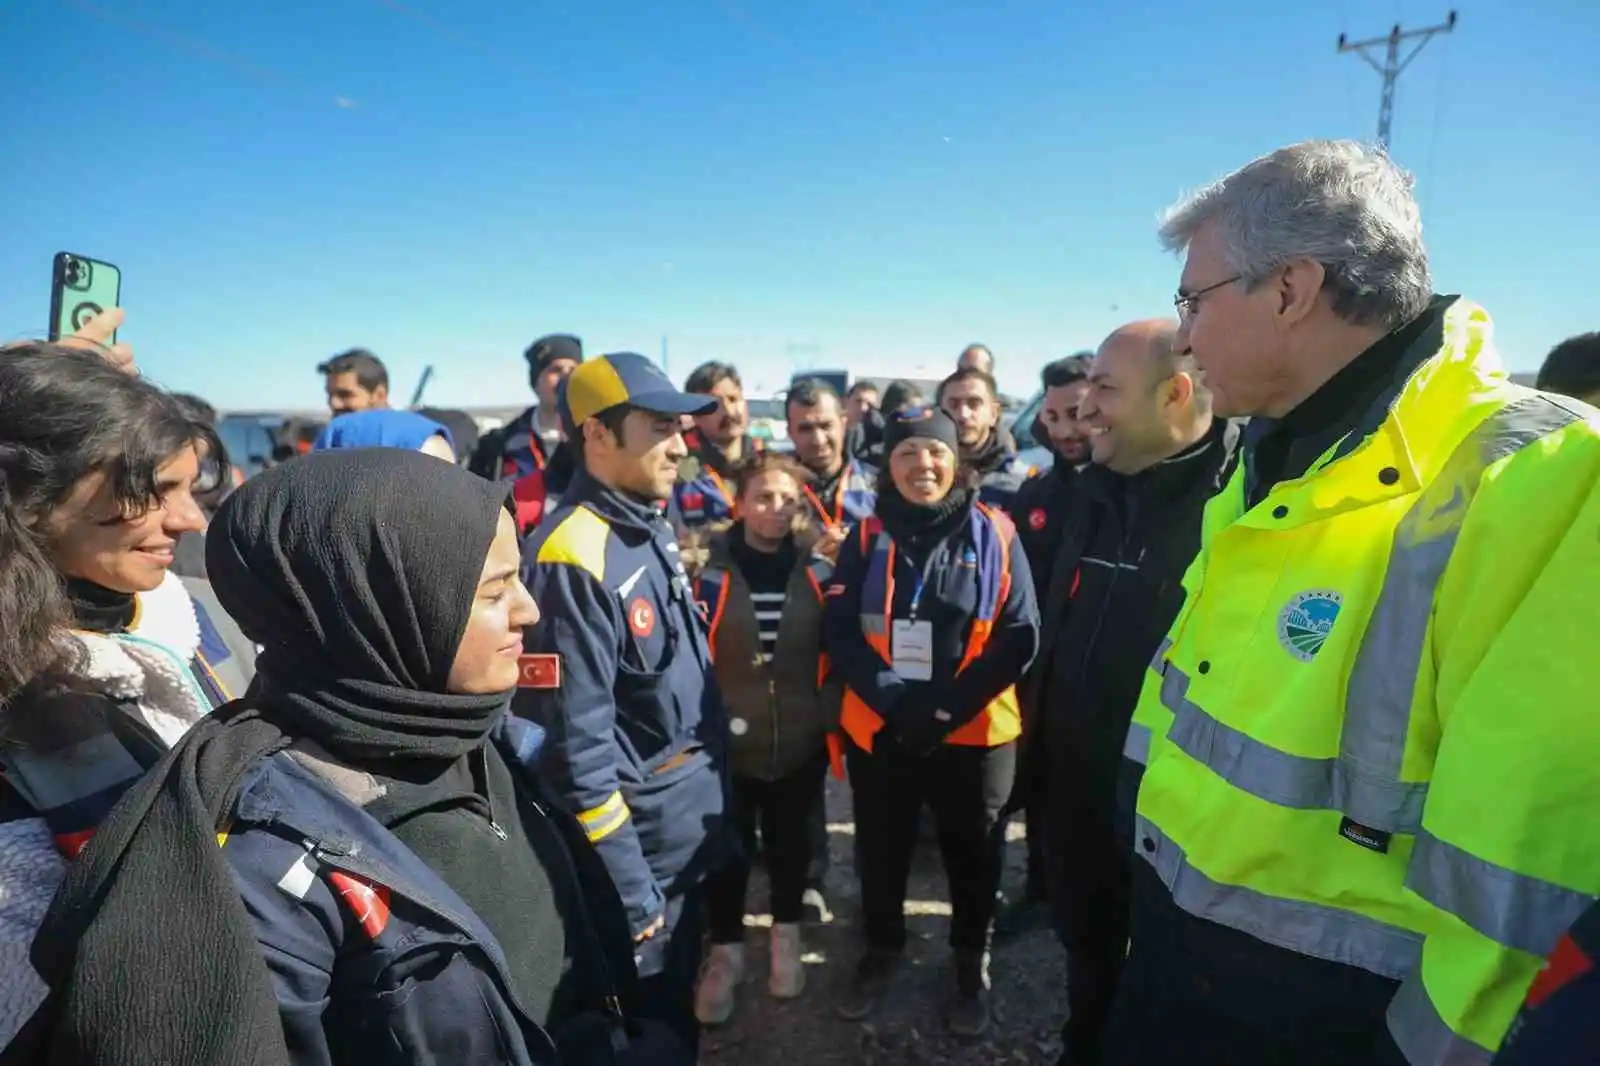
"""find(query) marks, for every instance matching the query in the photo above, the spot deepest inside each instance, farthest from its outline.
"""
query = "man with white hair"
(1370, 789)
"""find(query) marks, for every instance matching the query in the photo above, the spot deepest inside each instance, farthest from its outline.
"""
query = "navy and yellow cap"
(625, 378)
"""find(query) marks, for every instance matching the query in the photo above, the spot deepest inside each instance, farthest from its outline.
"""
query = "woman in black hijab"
(384, 844)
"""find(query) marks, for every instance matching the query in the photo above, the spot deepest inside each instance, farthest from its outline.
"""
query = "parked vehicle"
(1030, 445)
(257, 440)
(769, 423)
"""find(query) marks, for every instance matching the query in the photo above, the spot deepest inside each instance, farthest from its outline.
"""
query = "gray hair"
(1342, 204)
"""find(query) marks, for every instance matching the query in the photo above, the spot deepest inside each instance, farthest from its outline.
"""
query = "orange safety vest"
(992, 532)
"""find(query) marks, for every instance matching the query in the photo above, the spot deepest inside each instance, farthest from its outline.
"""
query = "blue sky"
(861, 183)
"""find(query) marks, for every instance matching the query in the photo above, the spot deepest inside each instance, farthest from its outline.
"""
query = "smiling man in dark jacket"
(1130, 530)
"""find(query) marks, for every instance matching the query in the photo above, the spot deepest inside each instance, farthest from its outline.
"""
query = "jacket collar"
(266, 791)
(617, 507)
(1201, 463)
(1453, 379)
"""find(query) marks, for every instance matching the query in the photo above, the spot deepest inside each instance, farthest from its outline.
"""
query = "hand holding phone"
(84, 312)
(98, 334)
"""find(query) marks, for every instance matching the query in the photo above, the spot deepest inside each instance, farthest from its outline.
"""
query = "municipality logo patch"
(1306, 620)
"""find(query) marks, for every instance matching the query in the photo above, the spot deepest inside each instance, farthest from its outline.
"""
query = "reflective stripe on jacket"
(992, 537)
(1370, 732)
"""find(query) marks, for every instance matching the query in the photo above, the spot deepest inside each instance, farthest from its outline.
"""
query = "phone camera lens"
(71, 271)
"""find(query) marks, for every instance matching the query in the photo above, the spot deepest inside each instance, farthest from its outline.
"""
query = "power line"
(1438, 109)
(1392, 66)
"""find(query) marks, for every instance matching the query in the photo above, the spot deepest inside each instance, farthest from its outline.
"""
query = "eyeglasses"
(1188, 303)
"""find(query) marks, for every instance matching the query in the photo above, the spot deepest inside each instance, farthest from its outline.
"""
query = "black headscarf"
(356, 571)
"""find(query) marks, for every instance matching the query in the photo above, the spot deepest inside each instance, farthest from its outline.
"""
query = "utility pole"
(1389, 70)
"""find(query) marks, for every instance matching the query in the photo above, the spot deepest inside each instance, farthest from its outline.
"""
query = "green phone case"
(81, 288)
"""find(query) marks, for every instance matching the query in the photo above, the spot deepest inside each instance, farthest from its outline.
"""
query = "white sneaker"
(719, 983)
(788, 977)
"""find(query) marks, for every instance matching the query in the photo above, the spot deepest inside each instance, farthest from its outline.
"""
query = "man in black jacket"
(1041, 504)
(1130, 529)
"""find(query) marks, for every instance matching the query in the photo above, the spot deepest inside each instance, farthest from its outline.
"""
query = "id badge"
(913, 650)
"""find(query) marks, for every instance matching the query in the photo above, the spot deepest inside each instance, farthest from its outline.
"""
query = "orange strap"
(722, 487)
(714, 613)
(832, 520)
(836, 756)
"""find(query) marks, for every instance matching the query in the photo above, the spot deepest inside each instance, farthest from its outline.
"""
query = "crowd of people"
(432, 747)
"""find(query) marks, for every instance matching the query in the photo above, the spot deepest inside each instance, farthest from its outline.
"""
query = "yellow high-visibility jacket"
(1373, 733)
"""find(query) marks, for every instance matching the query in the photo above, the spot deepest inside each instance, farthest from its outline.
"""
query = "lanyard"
(922, 580)
(830, 520)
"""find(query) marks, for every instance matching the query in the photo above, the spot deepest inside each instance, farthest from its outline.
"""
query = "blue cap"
(625, 378)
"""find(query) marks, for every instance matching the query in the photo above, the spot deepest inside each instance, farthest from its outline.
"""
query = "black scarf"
(989, 456)
(357, 569)
(919, 528)
(356, 576)
(98, 609)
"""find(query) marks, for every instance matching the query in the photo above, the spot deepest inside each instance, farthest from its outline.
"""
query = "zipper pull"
(619, 1023)
(494, 827)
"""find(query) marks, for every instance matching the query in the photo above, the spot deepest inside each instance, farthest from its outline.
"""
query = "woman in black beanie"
(930, 622)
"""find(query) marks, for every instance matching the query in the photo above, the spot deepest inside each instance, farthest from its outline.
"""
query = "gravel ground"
(1028, 975)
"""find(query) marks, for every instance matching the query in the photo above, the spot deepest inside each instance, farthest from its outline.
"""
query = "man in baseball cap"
(619, 673)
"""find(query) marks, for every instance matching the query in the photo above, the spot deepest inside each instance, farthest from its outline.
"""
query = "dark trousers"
(782, 811)
(820, 860)
(1089, 898)
(1202, 994)
(669, 963)
(1036, 819)
(966, 788)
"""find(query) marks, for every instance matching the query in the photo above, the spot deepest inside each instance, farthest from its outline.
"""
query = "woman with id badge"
(930, 621)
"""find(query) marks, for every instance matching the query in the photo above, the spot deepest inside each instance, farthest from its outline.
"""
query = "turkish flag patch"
(367, 900)
(539, 672)
(1036, 519)
(641, 617)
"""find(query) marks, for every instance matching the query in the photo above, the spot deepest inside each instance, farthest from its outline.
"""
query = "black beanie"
(929, 422)
(546, 350)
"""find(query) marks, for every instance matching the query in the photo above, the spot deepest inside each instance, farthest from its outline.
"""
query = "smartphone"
(80, 288)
